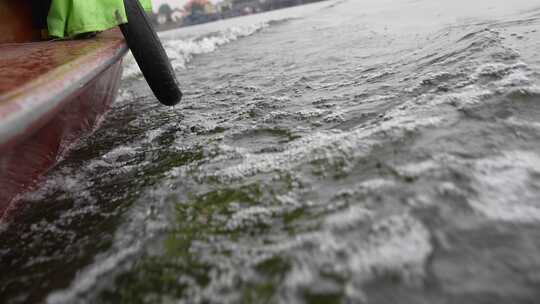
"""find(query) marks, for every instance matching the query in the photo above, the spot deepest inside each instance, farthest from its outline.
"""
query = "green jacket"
(68, 18)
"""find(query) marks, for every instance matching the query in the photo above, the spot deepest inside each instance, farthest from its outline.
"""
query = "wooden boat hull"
(51, 93)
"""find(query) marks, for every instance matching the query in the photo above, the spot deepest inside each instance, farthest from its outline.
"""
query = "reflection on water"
(344, 152)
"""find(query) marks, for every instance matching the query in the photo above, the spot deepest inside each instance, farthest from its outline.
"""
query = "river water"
(376, 151)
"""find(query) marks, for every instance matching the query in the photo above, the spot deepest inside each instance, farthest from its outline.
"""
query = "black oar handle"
(150, 55)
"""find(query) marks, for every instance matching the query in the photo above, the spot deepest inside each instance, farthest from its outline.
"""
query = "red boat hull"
(51, 93)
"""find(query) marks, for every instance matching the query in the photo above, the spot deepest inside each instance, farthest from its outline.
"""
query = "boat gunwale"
(27, 108)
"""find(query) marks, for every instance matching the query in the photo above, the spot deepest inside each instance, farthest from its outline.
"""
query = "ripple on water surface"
(301, 171)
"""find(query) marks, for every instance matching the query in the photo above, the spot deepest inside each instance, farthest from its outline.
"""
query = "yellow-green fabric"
(68, 18)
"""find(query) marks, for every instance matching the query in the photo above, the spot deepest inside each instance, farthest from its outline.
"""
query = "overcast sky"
(172, 3)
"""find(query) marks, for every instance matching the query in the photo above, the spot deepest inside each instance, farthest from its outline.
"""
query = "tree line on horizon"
(202, 11)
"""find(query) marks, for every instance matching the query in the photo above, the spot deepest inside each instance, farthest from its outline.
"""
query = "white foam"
(145, 221)
(316, 146)
(115, 154)
(523, 123)
(181, 51)
(415, 114)
(350, 216)
(416, 169)
(376, 183)
(497, 69)
(67, 181)
(249, 216)
(505, 186)
(88, 278)
(425, 111)
(398, 244)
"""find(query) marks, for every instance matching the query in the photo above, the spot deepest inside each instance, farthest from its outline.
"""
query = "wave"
(182, 50)
(325, 168)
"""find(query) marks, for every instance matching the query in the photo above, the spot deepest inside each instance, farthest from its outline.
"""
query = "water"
(343, 152)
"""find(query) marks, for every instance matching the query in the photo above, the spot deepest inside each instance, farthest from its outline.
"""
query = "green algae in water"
(171, 274)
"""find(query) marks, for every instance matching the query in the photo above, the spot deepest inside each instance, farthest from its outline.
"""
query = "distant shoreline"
(244, 9)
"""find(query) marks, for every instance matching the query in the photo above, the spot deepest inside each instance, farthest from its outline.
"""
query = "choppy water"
(344, 152)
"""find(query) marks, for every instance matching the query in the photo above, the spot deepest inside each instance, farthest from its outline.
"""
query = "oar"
(147, 50)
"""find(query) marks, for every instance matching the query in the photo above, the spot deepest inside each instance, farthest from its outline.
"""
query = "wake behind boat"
(53, 92)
